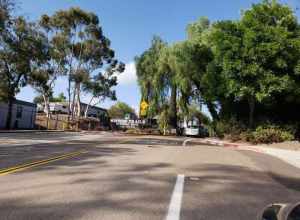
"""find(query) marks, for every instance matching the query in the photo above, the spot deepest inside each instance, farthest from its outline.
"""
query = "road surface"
(110, 176)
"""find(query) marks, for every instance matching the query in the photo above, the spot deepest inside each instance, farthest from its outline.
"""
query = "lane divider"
(40, 162)
(176, 200)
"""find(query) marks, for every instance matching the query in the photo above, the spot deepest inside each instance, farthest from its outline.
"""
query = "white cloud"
(128, 77)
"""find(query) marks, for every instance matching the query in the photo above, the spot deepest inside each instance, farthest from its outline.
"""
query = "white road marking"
(185, 141)
(175, 204)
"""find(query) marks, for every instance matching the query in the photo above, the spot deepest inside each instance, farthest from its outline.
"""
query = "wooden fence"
(61, 122)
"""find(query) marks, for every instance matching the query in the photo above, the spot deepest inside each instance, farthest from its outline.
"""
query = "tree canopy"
(120, 110)
(247, 69)
(68, 43)
(80, 49)
(59, 98)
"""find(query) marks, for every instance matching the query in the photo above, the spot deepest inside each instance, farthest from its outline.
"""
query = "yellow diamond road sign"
(143, 108)
(144, 105)
(143, 113)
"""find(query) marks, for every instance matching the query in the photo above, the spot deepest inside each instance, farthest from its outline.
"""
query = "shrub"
(230, 129)
(163, 122)
(132, 131)
(247, 136)
(271, 134)
(220, 129)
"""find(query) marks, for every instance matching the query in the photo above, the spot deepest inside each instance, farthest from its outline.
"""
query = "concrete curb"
(215, 143)
(288, 156)
(228, 144)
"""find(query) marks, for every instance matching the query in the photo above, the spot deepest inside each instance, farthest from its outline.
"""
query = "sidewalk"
(289, 156)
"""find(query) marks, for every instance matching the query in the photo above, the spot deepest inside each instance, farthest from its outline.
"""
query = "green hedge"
(271, 134)
(268, 133)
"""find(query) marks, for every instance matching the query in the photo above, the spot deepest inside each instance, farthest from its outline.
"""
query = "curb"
(217, 143)
(232, 145)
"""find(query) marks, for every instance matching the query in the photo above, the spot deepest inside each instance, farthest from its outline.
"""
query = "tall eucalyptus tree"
(79, 47)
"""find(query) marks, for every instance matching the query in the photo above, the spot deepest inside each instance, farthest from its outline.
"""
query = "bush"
(163, 122)
(271, 134)
(230, 129)
(132, 131)
(247, 136)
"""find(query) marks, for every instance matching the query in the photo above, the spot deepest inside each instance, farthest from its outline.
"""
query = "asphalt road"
(119, 177)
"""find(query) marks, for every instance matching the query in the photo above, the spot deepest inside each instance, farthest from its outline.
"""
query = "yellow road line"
(38, 163)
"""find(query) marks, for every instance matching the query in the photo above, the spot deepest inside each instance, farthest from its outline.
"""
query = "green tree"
(100, 87)
(20, 45)
(258, 54)
(164, 119)
(189, 60)
(59, 98)
(80, 48)
(39, 99)
(147, 70)
(173, 75)
(120, 110)
(167, 84)
(6, 7)
(208, 85)
(198, 30)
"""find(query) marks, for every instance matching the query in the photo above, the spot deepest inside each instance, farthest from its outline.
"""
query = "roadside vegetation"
(121, 110)
(69, 43)
(245, 71)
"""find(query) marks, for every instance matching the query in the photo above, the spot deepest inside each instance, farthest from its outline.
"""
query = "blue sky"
(131, 24)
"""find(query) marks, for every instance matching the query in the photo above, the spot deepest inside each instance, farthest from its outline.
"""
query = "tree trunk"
(251, 102)
(87, 108)
(47, 109)
(173, 108)
(212, 110)
(73, 102)
(69, 97)
(78, 101)
(9, 112)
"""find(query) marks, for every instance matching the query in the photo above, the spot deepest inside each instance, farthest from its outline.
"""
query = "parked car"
(196, 131)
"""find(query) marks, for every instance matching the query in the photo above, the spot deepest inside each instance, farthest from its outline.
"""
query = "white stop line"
(175, 204)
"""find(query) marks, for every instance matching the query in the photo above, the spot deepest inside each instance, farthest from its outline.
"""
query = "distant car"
(196, 131)
(58, 107)
(203, 132)
(192, 131)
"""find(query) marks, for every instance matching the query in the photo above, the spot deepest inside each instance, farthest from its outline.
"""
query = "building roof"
(99, 108)
(20, 102)
(83, 104)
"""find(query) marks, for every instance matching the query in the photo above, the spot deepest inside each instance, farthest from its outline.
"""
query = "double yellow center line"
(40, 162)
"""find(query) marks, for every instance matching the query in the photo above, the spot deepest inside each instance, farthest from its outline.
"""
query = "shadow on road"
(104, 190)
(233, 192)
(108, 183)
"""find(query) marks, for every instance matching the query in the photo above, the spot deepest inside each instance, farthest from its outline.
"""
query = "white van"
(193, 128)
